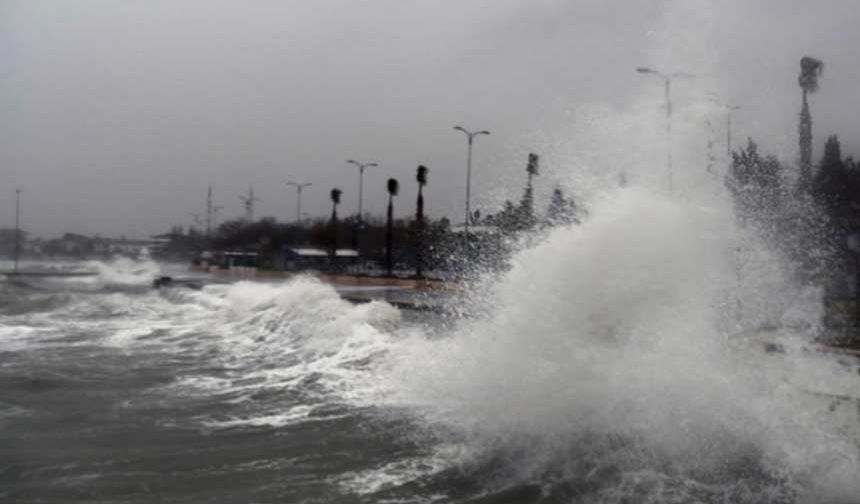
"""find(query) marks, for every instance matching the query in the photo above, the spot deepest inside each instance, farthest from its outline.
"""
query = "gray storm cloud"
(116, 116)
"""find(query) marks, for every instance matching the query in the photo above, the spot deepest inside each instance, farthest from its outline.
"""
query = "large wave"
(617, 348)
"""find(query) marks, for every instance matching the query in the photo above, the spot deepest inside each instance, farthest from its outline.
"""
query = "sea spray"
(615, 342)
(124, 271)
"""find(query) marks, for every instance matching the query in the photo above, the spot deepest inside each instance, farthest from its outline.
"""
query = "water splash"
(123, 271)
(618, 345)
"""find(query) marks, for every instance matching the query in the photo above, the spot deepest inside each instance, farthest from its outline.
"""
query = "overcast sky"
(115, 115)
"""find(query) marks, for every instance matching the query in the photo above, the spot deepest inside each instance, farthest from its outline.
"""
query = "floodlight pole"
(470, 136)
(667, 85)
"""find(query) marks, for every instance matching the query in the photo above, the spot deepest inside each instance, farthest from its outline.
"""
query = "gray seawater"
(114, 392)
(592, 375)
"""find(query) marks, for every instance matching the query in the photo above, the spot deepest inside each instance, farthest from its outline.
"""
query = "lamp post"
(17, 227)
(667, 83)
(361, 167)
(299, 188)
(715, 99)
(470, 136)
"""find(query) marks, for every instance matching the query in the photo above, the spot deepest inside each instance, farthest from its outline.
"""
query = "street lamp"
(667, 81)
(715, 99)
(299, 188)
(17, 227)
(471, 137)
(361, 167)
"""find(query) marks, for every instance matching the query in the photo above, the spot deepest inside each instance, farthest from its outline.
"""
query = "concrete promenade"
(409, 293)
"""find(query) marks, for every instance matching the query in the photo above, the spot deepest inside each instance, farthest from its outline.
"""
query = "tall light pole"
(17, 227)
(361, 167)
(299, 188)
(729, 108)
(470, 136)
(667, 82)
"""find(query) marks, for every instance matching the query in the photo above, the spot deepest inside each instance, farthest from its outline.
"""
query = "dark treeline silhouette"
(436, 244)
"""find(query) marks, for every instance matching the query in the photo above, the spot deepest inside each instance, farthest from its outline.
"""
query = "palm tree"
(421, 177)
(335, 201)
(526, 216)
(393, 187)
(810, 69)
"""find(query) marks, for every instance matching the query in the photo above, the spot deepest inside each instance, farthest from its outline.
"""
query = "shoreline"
(417, 294)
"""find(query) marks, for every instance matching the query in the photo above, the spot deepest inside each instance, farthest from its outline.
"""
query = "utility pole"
(470, 136)
(17, 227)
(249, 204)
(299, 188)
(667, 84)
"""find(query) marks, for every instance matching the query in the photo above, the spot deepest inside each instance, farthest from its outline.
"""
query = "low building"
(235, 259)
(310, 258)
